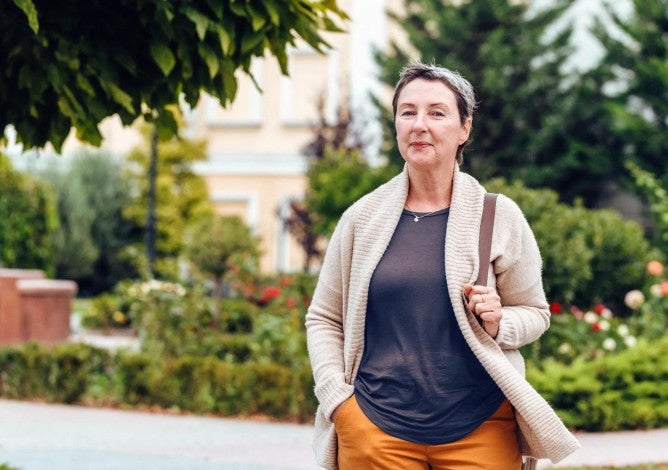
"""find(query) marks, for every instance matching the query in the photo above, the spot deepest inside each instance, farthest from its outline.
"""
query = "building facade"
(255, 164)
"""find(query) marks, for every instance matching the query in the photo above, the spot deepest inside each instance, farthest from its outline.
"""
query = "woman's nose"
(419, 123)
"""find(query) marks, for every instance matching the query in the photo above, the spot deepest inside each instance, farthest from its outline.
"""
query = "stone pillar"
(11, 323)
(46, 305)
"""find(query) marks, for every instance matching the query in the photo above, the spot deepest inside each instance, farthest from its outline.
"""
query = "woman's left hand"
(486, 304)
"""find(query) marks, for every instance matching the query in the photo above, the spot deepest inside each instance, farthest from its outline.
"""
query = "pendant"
(416, 219)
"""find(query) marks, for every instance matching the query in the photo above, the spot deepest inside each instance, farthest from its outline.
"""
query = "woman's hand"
(486, 304)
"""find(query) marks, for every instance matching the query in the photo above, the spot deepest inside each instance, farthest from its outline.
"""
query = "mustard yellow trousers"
(493, 445)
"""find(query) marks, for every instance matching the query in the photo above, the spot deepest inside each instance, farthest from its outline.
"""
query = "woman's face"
(428, 125)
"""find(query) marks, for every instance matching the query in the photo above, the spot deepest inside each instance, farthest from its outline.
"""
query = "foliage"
(62, 374)
(170, 320)
(214, 244)
(628, 390)
(137, 59)
(577, 335)
(182, 197)
(337, 180)
(649, 306)
(105, 312)
(537, 121)
(28, 221)
(636, 51)
(657, 196)
(89, 245)
(588, 255)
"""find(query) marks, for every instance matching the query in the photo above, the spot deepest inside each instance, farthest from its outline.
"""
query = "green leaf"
(274, 16)
(119, 96)
(210, 58)
(85, 85)
(28, 7)
(163, 57)
(258, 20)
(226, 43)
(201, 21)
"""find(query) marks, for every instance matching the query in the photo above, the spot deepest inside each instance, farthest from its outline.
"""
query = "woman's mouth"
(420, 145)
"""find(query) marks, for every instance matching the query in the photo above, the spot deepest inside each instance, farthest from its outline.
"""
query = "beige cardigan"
(335, 320)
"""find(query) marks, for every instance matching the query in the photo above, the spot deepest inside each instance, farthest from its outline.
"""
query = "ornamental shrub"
(61, 374)
(628, 390)
(588, 255)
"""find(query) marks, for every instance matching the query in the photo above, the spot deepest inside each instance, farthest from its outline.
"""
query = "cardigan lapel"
(376, 221)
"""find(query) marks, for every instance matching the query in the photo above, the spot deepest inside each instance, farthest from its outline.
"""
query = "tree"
(89, 245)
(215, 243)
(338, 174)
(181, 196)
(536, 121)
(71, 64)
(636, 64)
(335, 182)
(28, 221)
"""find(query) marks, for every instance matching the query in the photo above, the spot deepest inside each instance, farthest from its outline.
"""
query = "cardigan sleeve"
(325, 322)
(518, 267)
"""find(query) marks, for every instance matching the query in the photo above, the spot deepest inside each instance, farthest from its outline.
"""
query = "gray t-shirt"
(418, 379)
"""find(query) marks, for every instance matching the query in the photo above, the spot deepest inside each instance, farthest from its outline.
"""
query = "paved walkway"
(36, 436)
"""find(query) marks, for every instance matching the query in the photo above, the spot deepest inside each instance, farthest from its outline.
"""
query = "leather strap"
(486, 232)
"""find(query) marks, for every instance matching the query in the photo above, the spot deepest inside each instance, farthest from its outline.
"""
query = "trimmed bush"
(62, 374)
(628, 390)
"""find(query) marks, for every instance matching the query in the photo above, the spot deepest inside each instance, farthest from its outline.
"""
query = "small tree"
(181, 196)
(215, 244)
(335, 182)
(90, 242)
(28, 220)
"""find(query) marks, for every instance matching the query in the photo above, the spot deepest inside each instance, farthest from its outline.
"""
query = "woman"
(415, 367)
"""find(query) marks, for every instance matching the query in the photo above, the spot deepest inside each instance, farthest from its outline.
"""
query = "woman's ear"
(466, 130)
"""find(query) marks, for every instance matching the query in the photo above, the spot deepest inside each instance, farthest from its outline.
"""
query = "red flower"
(290, 302)
(286, 281)
(595, 327)
(555, 307)
(269, 293)
(599, 308)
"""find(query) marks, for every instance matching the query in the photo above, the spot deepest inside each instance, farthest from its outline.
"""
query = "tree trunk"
(151, 196)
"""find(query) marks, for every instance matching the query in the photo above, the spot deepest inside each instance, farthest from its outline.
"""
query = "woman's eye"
(407, 113)
(438, 113)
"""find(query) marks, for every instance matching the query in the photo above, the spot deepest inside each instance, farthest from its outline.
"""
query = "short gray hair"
(460, 86)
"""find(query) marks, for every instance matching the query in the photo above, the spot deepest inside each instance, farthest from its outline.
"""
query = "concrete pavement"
(35, 436)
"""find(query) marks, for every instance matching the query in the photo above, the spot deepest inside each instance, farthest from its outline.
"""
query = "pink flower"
(290, 302)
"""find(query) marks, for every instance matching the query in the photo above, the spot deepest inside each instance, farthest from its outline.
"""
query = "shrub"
(628, 390)
(106, 311)
(575, 334)
(650, 306)
(62, 374)
(588, 255)
(237, 315)
(28, 222)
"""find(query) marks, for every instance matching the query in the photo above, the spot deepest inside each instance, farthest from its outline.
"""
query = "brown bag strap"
(486, 231)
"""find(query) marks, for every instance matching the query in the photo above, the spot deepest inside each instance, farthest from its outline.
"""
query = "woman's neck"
(428, 191)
